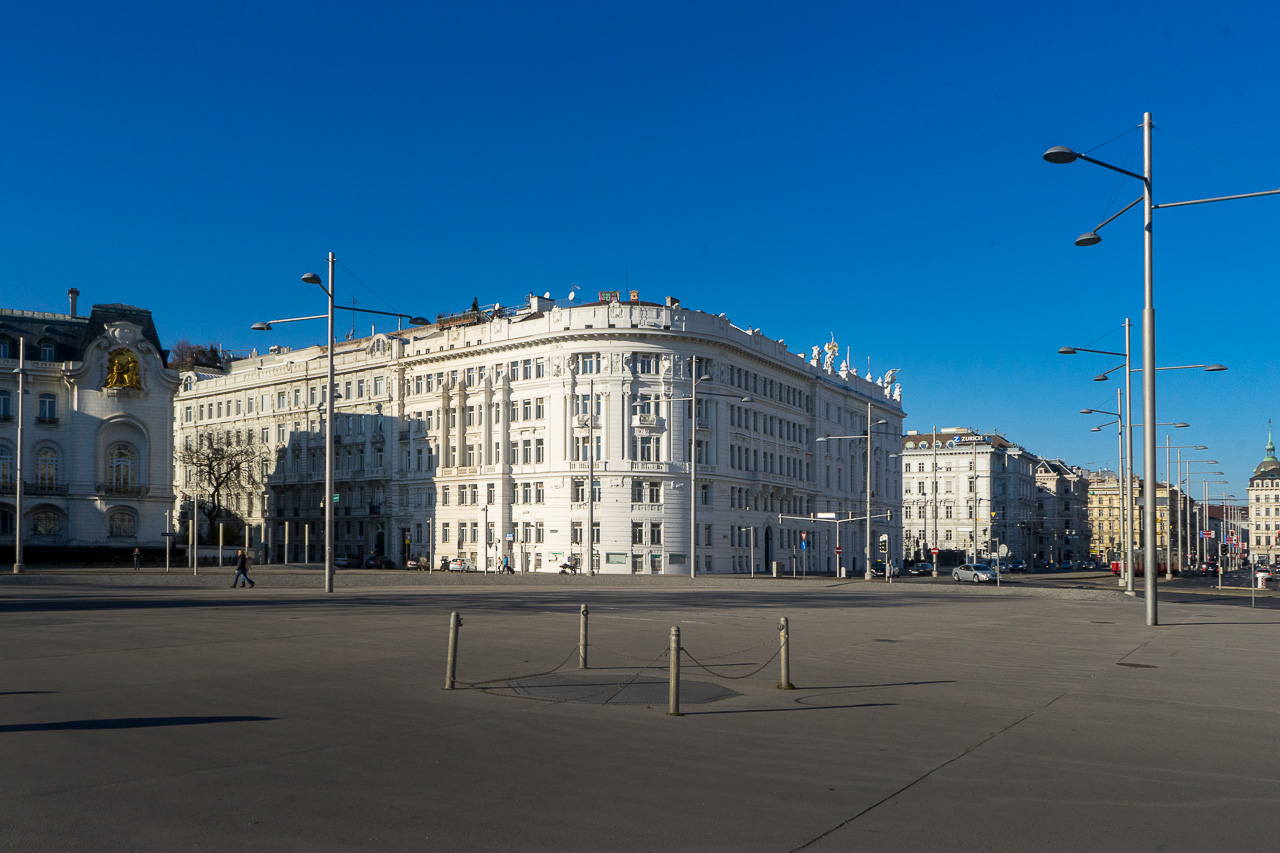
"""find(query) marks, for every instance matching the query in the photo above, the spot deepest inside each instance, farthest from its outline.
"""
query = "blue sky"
(806, 168)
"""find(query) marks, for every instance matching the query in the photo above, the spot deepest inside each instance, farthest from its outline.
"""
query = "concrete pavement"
(140, 713)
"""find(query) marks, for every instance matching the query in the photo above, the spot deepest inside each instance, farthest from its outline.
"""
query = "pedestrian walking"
(137, 559)
(243, 562)
(506, 565)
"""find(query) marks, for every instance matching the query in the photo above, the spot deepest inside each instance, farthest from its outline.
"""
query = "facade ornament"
(833, 349)
(813, 358)
(122, 370)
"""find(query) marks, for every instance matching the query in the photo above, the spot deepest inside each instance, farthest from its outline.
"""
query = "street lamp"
(692, 399)
(312, 278)
(866, 546)
(1059, 155)
(1174, 512)
(1127, 580)
(21, 370)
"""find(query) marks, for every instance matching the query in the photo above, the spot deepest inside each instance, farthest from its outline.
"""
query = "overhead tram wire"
(1240, 172)
(361, 282)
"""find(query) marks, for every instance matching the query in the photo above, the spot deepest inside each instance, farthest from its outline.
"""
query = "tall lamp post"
(866, 545)
(1148, 503)
(21, 370)
(1061, 155)
(1175, 512)
(312, 278)
(692, 399)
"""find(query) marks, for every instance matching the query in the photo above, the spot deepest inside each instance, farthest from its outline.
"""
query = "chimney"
(73, 295)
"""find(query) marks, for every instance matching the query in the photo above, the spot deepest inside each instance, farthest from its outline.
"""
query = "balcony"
(122, 491)
(644, 420)
(45, 488)
(375, 509)
(47, 421)
(587, 422)
(404, 435)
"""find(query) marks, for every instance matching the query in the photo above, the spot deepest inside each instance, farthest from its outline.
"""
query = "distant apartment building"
(968, 493)
(554, 433)
(1263, 522)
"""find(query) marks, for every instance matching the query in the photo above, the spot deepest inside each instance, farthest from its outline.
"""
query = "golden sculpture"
(122, 370)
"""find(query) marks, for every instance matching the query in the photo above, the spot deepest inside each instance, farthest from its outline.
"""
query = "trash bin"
(1262, 581)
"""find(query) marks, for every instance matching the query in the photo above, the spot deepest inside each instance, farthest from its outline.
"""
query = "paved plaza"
(164, 712)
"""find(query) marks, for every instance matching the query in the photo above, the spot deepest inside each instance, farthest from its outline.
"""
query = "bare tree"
(223, 472)
(185, 355)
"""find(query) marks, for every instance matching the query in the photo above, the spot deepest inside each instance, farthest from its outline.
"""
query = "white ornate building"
(967, 493)
(96, 439)
(528, 432)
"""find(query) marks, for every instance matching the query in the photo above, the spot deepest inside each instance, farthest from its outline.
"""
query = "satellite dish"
(547, 295)
(572, 293)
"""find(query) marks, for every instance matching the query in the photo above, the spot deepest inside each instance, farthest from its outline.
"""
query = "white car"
(975, 572)
(461, 564)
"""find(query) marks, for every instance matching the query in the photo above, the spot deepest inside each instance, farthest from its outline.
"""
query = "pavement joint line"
(967, 751)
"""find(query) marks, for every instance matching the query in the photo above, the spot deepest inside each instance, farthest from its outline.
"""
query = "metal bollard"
(455, 622)
(784, 638)
(674, 710)
(582, 639)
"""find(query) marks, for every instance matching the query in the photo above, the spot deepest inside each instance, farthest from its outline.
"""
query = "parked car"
(1016, 565)
(375, 562)
(461, 564)
(1089, 566)
(877, 571)
(341, 562)
(975, 572)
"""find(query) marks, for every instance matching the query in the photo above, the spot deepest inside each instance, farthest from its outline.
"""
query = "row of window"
(121, 523)
(9, 349)
(47, 411)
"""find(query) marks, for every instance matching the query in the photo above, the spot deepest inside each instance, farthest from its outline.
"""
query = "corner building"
(551, 431)
(96, 444)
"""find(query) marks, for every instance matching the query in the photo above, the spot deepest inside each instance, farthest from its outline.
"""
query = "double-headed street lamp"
(867, 436)
(1060, 154)
(1148, 499)
(692, 400)
(312, 278)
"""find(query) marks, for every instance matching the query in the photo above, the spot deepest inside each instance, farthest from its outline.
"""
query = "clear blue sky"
(871, 171)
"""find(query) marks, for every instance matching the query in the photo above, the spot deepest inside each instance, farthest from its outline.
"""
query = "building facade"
(96, 437)
(1264, 507)
(968, 493)
(1062, 510)
(556, 433)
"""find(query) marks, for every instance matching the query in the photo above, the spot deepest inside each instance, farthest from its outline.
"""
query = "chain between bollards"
(455, 622)
(582, 639)
(674, 710)
(784, 638)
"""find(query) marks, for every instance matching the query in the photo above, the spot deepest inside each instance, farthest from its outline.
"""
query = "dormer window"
(46, 351)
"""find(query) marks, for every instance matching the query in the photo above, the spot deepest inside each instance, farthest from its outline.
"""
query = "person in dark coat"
(137, 559)
(242, 569)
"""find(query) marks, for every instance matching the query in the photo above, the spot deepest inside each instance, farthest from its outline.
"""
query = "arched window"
(46, 468)
(122, 523)
(122, 460)
(46, 523)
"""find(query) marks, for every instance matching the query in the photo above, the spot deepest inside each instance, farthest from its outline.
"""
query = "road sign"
(839, 550)
(335, 497)
(933, 551)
